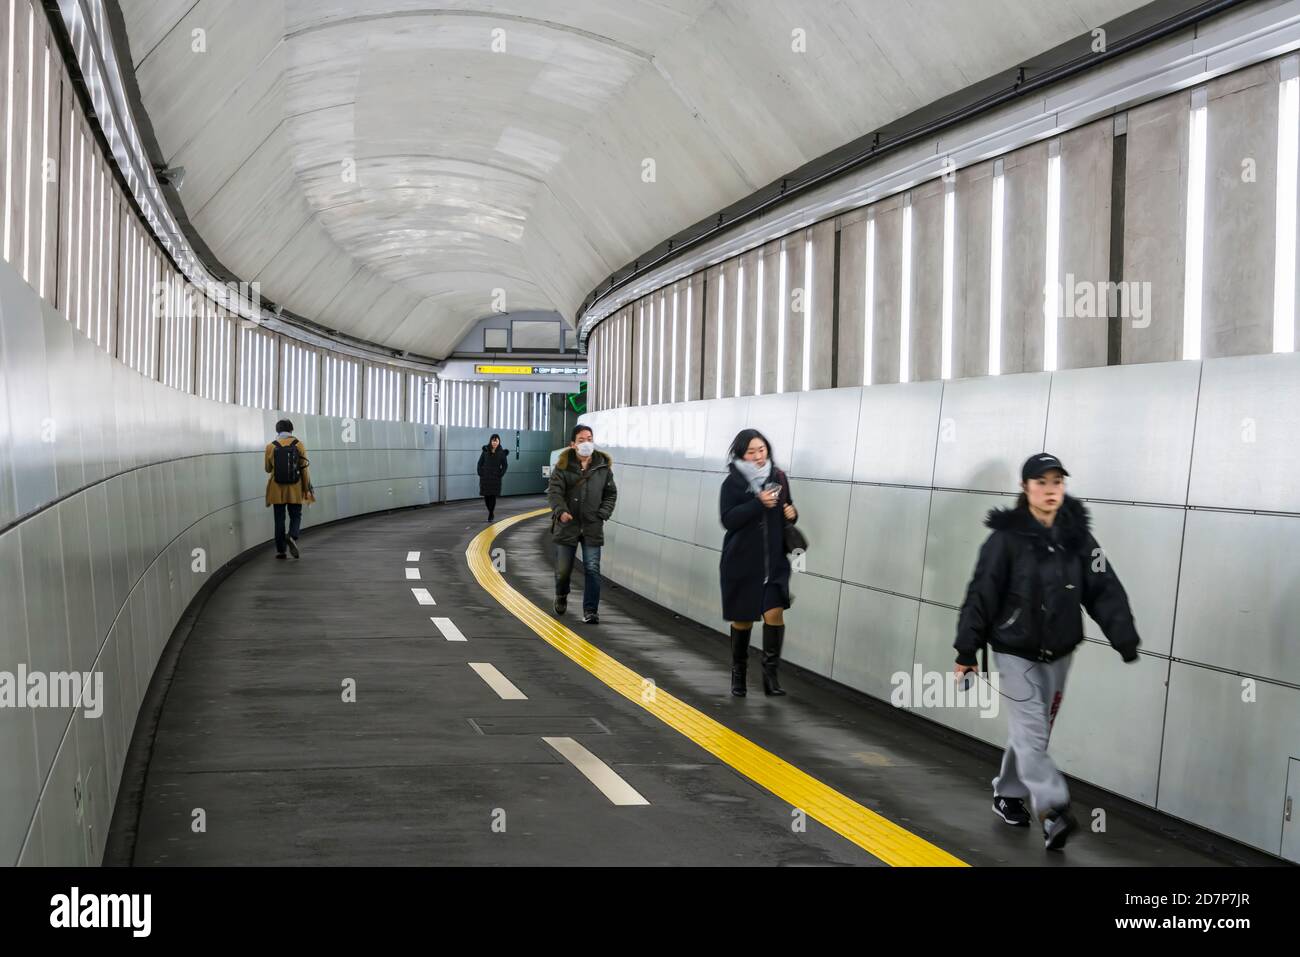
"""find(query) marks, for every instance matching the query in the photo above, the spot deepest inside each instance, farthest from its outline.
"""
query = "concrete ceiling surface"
(392, 168)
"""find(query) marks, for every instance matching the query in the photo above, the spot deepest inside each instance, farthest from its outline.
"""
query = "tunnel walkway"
(470, 740)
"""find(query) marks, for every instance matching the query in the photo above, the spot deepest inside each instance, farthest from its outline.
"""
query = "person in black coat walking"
(755, 504)
(492, 464)
(1035, 573)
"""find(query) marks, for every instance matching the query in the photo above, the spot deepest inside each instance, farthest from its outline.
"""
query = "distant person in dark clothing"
(289, 485)
(581, 494)
(492, 464)
(754, 571)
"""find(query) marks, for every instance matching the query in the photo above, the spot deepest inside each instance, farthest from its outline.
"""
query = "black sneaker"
(561, 603)
(1011, 810)
(1057, 828)
(293, 548)
(281, 556)
(590, 618)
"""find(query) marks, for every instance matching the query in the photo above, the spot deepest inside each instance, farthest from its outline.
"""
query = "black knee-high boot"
(773, 636)
(739, 660)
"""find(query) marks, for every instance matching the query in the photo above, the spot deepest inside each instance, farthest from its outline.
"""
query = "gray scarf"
(757, 477)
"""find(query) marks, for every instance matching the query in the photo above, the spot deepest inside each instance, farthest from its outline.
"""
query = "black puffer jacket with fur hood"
(1030, 584)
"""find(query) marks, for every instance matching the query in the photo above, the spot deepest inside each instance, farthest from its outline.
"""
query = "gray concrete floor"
(418, 770)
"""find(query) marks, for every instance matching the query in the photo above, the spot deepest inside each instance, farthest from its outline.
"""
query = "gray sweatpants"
(1032, 692)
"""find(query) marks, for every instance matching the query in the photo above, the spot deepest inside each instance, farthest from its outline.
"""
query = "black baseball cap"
(1036, 465)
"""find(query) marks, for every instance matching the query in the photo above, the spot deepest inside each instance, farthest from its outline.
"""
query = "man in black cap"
(1035, 572)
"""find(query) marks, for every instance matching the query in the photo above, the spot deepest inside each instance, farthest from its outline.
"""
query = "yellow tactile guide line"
(878, 836)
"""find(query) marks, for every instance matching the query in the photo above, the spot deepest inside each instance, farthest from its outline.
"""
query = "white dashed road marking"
(597, 772)
(448, 629)
(497, 681)
(422, 596)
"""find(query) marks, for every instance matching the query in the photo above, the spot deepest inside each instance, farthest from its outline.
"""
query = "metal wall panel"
(935, 631)
(708, 523)
(821, 507)
(1248, 434)
(1225, 768)
(953, 539)
(682, 504)
(47, 622)
(823, 445)
(672, 590)
(1238, 604)
(654, 498)
(19, 785)
(1144, 546)
(775, 416)
(987, 428)
(885, 537)
(706, 590)
(28, 395)
(628, 505)
(1108, 700)
(659, 434)
(726, 419)
(1125, 432)
(897, 428)
(810, 622)
(74, 528)
(64, 429)
(875, 636)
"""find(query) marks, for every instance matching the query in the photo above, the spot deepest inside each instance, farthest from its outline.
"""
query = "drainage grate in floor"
(542, 725)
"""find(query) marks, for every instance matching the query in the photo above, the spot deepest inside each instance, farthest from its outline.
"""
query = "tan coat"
(277, 494)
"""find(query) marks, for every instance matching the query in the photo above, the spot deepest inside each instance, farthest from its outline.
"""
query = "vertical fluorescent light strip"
(1052, 260)
(740, 318)
(949, 227)
(640, 358)
(663, 356)
(27, 147)
(780, 323)
(672, 397)
(722, 322)
(807, 310)
(869, 301)
(689, 285)
(1288, 167)
(905, 313)
(1195, 227)
(758, 328)
(9, 135)
(45, 152)
(650, 356)
(995, 271)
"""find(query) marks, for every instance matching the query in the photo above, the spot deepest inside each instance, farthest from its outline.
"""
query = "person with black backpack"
(289, 485)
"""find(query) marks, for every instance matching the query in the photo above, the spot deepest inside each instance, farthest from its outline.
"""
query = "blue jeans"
(564, 555)
(295, 523)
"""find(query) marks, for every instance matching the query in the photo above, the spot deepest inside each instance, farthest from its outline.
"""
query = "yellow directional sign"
(503, 370)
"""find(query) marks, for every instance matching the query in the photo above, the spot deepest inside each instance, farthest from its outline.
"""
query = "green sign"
(578, 400)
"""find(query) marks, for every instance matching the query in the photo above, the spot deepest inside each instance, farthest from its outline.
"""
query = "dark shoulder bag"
(794, 539)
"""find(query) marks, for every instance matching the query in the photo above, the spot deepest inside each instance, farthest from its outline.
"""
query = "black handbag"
(795, 540)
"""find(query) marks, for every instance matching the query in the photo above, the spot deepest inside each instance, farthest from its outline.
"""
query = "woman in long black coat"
(492, 464)
(755, 504)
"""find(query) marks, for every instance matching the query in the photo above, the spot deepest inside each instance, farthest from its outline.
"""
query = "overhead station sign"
(530, 370)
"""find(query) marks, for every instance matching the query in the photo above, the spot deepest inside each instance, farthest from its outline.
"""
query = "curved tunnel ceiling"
(379, 167)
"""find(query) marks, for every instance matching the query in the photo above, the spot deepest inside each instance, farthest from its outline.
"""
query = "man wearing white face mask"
(581, 495)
